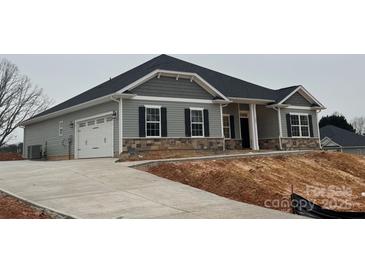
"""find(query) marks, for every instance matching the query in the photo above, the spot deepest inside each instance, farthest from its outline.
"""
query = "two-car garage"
(94, 137)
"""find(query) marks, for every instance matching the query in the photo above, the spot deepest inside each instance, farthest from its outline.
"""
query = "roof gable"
(298, 99)
(287, 94)
(172, 87)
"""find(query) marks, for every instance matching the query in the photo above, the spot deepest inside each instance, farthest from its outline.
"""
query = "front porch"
(258, 126)
(239, 126)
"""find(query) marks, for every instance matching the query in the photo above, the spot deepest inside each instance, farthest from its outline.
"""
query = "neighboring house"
(167, 103)
(338, 139)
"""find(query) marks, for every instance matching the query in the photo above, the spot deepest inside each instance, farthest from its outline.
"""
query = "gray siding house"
(167, 103)
(338, 139)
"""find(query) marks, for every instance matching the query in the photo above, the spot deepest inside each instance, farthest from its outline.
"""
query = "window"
(299, 125)
(153, 121)
(197, 123)
(60, 128)
(226, 127)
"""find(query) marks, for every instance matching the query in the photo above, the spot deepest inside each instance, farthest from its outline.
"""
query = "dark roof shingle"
(229, 86)
(342, 137)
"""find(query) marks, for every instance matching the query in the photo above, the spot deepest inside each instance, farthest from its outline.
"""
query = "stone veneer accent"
(269, 144)
(300, 143)
(233, 144)
(149, 144)
(290, 143)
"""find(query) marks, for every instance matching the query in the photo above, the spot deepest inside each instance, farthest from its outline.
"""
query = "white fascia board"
(93, 116)
(171, 99)
(87, 104)
(307, 93)
(303, 108)
(250, 100)
(158, 72)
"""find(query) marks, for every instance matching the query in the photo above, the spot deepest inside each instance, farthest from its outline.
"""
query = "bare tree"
(359, 125)
(19, 99)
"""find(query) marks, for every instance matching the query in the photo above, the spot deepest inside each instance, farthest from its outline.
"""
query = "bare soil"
(175, 154)
(13, 208)
(332, 180)
(10, 156)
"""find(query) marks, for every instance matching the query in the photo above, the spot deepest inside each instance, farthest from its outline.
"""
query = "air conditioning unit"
(34, 152)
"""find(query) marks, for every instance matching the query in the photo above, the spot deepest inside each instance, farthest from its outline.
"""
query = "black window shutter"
(142, 122)
(310, 125)
(231, 123)
(288, 124)
(163, 122)
(187, 123)
(206, 123)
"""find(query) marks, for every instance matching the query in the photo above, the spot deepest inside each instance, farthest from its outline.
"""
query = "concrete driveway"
(100, 188)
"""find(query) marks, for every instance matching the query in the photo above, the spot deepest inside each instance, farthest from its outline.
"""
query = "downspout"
(224, 140)
(120, 132)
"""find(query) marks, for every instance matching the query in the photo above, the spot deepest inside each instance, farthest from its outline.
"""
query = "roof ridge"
(215, 71)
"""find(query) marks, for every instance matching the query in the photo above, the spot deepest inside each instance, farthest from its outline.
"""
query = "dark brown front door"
(245, 133)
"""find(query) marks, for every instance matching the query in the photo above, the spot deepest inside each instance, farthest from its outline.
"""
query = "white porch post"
(280, 129)
(254, 140)
(224, 142)
(120, 126)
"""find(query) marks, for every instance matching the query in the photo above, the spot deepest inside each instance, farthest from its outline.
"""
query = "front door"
(245, 133)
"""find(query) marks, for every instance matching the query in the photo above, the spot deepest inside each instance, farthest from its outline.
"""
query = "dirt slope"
(332, 180)
(10, 156)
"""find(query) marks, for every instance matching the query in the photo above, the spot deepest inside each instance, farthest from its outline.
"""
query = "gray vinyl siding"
(311, 112)
(358, 150)
(175, 117)
(298, 100)
(47, 131)
(245, 107)
(267, 122)
(170, 87)
(233, 109)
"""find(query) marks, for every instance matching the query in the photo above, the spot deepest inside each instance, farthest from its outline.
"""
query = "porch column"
(120, 133)
(254, 140)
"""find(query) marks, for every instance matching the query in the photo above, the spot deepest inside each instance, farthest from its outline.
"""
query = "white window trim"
(159, 122)
(229, 126)
(60, 127)
(300, 125)
(191, 122)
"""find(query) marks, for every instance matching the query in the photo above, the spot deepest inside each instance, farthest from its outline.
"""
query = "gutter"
(66, 110)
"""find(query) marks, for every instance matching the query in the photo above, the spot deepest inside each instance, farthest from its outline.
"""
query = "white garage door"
(95, 138)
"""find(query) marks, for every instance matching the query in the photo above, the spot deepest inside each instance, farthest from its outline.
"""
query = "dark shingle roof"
(229, 86)
(342, 137)
(284, 92)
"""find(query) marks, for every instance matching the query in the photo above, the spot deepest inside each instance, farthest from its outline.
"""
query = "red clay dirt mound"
(332, 180)
(10, 156)
(13, 208)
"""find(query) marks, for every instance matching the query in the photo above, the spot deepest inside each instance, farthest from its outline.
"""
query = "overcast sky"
(338, 81)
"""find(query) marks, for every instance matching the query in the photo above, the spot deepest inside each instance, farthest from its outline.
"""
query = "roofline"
(90, 103)
(250, 100)
(193, 77)
(307, 93)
